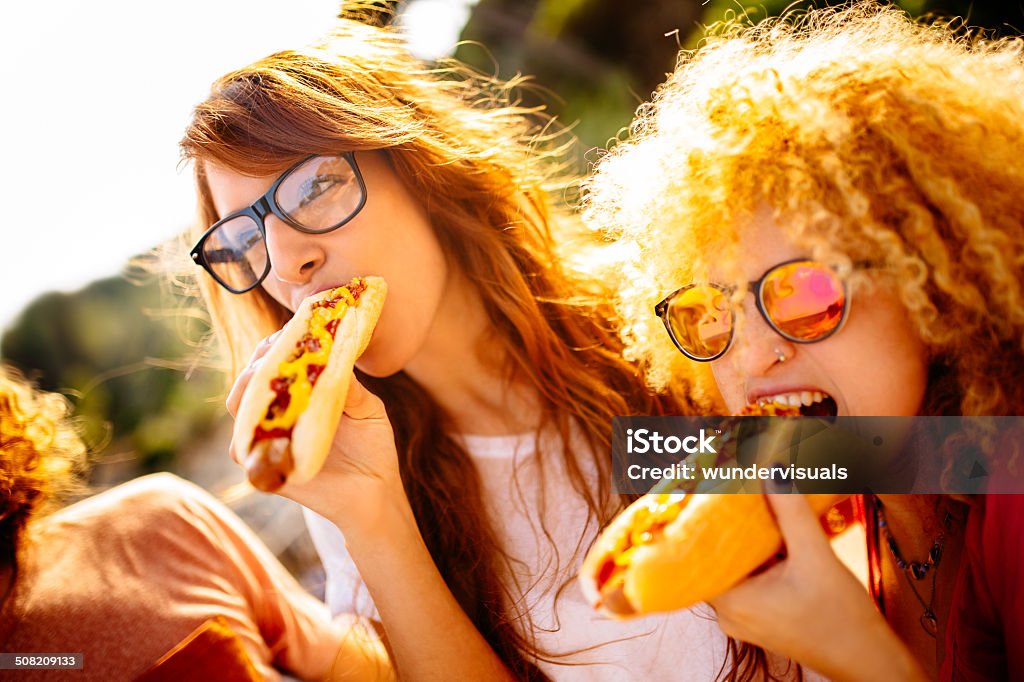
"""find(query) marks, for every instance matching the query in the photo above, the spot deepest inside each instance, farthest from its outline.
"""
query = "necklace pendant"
(919, 570)
(930, 623)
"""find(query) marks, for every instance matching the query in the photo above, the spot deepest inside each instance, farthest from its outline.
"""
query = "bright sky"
(95, 98)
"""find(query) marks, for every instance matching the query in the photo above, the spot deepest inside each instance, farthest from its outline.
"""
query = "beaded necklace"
(916, 571)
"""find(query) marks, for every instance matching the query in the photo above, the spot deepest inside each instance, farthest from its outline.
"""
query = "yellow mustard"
(297, 367)
(657, 512)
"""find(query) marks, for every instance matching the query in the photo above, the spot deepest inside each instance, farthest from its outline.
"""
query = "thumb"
(361, 405)
(801, 531)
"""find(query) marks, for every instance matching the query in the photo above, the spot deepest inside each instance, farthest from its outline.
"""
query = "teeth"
(795, 399)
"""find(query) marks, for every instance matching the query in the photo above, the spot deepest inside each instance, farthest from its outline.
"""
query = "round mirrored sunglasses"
(803, 300)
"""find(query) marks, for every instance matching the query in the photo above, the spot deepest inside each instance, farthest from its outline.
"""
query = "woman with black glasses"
(469, 475)
(828, 210)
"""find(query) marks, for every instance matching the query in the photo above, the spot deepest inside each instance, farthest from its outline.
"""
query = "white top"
(685, 645)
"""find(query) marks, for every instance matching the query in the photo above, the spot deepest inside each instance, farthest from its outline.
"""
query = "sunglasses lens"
(236, 253)
(322, 193)
(804, 300)
(700, 319)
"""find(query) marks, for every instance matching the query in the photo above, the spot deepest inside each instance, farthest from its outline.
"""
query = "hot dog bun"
(709, 544)
(672, 550)
(296, 453)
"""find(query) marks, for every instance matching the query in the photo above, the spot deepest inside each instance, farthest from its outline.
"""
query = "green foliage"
(604, 57)
(122, 365)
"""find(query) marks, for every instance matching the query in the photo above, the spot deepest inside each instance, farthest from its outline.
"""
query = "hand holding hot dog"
(305, 427)
(790, 607)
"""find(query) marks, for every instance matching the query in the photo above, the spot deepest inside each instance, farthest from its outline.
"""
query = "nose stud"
(780, 355)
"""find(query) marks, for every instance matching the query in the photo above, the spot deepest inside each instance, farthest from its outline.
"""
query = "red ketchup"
(307, 344)
(264, 434)
(313, 372)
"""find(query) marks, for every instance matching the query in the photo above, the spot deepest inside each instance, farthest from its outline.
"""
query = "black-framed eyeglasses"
(803, 300)
(318, 194)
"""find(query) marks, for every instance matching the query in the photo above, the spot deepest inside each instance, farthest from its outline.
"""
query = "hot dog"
(295, 399)
(671, 550)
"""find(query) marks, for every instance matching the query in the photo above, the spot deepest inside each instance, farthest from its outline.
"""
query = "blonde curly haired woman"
(827, 208)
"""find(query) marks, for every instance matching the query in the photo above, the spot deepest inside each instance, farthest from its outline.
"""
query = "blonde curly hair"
(41, 454)
(869, 137)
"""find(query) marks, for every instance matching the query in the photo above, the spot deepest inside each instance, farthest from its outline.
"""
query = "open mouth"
(807, 403)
